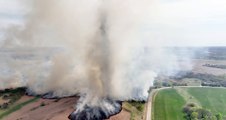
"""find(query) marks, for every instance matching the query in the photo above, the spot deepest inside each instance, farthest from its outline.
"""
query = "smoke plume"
(98, 50)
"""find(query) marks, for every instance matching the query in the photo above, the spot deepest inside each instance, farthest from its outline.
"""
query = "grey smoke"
(103, 54)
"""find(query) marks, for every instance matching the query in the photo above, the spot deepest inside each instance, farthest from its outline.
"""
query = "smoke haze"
(99, 51)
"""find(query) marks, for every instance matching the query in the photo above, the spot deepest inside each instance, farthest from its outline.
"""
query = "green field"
(168, 103)
(213, 99)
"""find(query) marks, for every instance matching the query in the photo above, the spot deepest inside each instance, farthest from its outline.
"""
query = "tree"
(157, 84)
(192, 112)
(219, 116)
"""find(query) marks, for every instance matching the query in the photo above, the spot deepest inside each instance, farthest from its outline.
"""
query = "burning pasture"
(102, 54)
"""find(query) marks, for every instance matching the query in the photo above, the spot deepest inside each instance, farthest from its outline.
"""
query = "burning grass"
(107, 108)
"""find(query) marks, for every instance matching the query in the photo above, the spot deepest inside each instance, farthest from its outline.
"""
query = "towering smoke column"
(99, 105)
(104, 56)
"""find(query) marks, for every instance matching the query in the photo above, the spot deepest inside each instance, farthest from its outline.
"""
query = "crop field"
(168, 103)
(213, 99)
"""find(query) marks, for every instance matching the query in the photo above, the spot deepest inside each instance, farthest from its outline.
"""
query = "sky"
(170, 22)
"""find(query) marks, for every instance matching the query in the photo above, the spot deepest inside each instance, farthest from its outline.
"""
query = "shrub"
(191, 105)
(192, 112)
(4, 106)
(42, 104)
(194, 115)
(219, 116)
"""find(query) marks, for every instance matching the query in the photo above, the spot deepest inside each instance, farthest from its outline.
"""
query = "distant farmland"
(168, 103)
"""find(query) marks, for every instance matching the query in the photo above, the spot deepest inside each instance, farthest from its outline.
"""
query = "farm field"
(213, 99)
(58, 109)
(168, 103)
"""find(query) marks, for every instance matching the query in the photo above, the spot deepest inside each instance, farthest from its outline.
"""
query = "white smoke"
(103, 50)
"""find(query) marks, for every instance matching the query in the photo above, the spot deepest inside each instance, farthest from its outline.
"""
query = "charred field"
(40, 108)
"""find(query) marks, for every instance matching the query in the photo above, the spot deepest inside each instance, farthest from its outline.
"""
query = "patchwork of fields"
(168, 103)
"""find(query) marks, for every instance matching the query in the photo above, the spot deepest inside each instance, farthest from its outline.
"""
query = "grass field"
(210, 98)
(168, 103)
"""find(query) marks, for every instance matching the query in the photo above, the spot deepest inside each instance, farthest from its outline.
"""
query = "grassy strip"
(187, 96)
(17, 107)
(168, 105)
